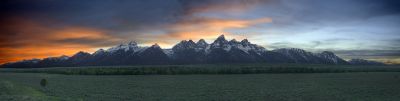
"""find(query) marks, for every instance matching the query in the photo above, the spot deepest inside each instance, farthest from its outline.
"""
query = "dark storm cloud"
(136, 15)
(108, 14)
(111, 14)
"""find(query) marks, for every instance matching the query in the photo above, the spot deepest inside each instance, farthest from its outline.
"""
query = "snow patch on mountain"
(188, 51)
(244, 45)
(168, 52)
(131, 46)
(330, 56)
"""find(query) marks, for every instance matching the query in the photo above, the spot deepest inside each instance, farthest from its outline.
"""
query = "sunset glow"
(53, 28)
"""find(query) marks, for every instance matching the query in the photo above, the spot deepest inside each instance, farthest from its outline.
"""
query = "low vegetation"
(354, 86)
(10, 91)
(206, 69)
(43, 82)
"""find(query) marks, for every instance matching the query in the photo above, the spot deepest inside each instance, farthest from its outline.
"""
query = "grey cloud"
(386, 56)
(312, 45)
(278, 45)
(367, 52)
(89, 42)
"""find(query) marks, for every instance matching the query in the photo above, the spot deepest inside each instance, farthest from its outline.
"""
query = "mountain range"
(189, 52)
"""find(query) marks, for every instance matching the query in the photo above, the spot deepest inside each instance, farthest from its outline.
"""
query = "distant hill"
(190, 52)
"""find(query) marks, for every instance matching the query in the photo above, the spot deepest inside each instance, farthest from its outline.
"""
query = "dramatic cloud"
(42, 28)
(386, 56)
(200, 28)
(25, 39)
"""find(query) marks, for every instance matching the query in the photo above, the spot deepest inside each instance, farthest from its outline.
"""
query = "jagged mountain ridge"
(364, 62)
(187, 52)
(302, 56)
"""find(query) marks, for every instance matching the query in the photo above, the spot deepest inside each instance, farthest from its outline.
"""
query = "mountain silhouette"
(190, 52)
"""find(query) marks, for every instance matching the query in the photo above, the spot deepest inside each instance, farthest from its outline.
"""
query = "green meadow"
(338, 83)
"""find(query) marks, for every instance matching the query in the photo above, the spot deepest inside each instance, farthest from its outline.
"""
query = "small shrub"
(43, 82)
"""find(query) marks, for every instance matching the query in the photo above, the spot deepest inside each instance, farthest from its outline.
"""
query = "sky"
(367, 29)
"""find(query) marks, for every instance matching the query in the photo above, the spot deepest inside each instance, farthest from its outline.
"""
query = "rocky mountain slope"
(190, 52)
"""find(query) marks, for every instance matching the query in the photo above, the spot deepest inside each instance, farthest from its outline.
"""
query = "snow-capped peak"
(295, 52)
(132, 45)
(244, 45)
(81, 54)
(247, 46)
(233, 41)
(330, 56)
(183, 45)
(59, 58)
(245, 42)
(222, 37)
(191, 41)
(155, 46)
(63, 57)
(100, 51)
(202, 42)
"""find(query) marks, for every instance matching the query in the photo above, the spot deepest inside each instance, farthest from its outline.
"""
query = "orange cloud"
(200, 28)
(77, 32)
(206, 28)
(25, 39)
(15, 54)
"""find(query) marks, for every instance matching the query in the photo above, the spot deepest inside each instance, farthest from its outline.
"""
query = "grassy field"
(205, 69)
(355, 86)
